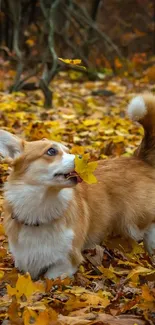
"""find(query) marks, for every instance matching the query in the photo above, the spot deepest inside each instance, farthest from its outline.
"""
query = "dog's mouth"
(73, 176)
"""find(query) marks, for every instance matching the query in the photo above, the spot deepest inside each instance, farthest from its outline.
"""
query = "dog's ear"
(10, 145)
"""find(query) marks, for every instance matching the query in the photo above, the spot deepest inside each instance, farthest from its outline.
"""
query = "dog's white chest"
(40, 247)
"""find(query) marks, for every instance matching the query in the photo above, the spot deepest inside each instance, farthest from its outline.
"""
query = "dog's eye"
(51, 152)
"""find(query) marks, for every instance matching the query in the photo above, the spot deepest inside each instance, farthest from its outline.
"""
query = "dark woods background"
(104, 34)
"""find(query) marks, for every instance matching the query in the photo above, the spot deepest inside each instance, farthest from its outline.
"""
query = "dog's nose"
(80, 157)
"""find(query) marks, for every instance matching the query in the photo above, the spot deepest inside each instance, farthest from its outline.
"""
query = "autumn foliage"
(116, 283)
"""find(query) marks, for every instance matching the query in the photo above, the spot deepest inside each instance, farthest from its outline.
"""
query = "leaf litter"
(116, 283)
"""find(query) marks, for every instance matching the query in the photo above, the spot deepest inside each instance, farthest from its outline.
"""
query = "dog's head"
(40, 162)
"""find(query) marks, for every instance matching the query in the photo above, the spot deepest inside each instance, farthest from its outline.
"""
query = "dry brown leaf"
(92, 318)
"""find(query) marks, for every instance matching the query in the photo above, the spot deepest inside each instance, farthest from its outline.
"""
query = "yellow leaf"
(109, 131)
(30, 42)
(88, 178)
(75, 75)
(29, 316)
(137, 249)
(3, 252)
(44, 318)
(81, 269)
(68, 117)
(90, 298)
(77, 150)
(86, 156)
(70, 61)
(25, 286)
(1, 274)
(108, 273)
(140, 271)
(95, 299)
(13, 312)
(90, 122)
(2, 232)
(146, 293)
(85, 170)
(80, 165)
(92, 166)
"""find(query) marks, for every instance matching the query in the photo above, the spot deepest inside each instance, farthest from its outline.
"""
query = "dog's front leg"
(62, 269)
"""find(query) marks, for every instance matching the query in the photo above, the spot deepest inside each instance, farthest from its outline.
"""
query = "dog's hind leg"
(149, 239)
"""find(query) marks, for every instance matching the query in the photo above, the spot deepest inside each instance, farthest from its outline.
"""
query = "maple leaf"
(46, 317)
(108, 273)
(96, 125)
(95, 299)
(85, 169)
(25, 286)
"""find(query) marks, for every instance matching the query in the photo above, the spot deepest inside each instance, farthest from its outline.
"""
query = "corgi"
(50, 216)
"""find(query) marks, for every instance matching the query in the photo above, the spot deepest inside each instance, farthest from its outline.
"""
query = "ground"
(115, 285)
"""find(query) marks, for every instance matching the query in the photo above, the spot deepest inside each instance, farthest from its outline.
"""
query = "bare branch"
(16, 16)
(81, 14)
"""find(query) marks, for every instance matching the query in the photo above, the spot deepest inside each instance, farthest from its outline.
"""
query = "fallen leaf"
(2, 232)
(46, 317)
(25, 286)
(146, 293)
(95, 318)
(139, 270)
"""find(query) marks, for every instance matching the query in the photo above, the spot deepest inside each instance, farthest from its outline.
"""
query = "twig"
(48, 74)
(16, 15)
(81, 13)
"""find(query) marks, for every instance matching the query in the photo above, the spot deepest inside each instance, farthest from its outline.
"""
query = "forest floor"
(116, 283)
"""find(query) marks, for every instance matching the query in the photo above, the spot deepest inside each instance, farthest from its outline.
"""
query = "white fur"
(136, 233)
(137, 108)
(10, 145)
(67, 161)
(48, 245)
(149, 239)
(32, 204)
(43, 247)
(62, 269)
(33, 200)
(40, 173)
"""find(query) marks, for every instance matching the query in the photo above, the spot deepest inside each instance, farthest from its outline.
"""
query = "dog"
(50, 216)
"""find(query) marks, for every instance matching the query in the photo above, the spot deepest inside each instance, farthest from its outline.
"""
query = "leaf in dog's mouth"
(85, 169)
(73, 175)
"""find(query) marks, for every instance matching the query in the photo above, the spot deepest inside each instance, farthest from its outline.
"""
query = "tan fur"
(121, 203)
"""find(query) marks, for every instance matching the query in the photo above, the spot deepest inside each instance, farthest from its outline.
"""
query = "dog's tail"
(142, 109)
